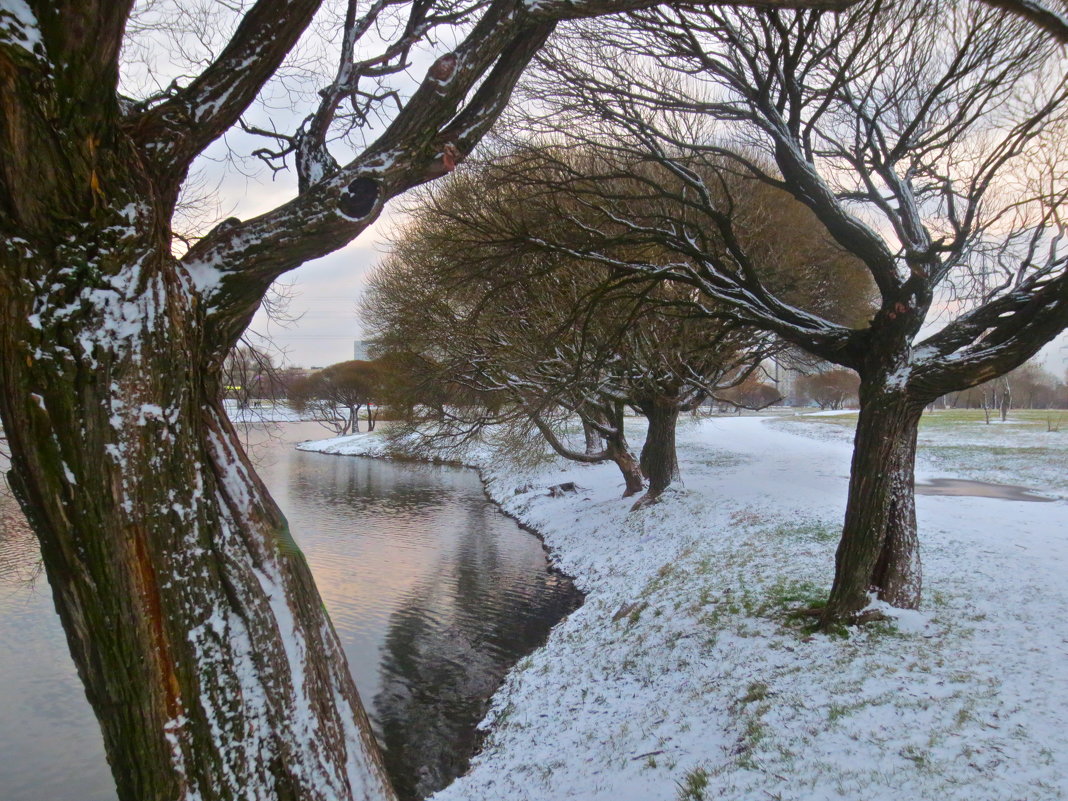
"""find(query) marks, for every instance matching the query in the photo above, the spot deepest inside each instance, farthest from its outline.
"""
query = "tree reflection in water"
(438, 673)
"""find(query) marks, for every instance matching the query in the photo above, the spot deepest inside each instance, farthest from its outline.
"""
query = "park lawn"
(685, 676)
(1029, 449)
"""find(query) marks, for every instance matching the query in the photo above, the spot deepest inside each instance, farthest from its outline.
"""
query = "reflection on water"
(978, 489)
(439, 669)
(433, 592)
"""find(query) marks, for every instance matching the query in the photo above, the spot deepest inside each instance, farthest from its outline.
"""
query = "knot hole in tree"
(359, 198)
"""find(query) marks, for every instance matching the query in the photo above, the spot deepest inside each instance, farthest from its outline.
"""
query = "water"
(434, 593)
(979, 489)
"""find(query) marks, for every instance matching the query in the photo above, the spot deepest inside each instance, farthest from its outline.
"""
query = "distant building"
(359, 349)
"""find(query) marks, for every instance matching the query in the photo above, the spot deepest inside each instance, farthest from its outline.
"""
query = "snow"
(206, 278)
(262, 411)
(683, 667)
(18, 24)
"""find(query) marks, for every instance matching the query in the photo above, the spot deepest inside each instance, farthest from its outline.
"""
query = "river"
(433, 591)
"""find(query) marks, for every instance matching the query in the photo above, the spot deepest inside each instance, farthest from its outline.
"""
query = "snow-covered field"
(682, 677)
(262, 412)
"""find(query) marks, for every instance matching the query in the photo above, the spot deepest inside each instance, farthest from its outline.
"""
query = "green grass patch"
(693, 786)
(808, 530)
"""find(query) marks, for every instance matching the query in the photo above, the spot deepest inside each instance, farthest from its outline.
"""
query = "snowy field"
(261, 411)
(683, 676)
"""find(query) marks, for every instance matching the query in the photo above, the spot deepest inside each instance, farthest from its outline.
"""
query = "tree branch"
(1019, 326)
(177, 130)
(1049, 20)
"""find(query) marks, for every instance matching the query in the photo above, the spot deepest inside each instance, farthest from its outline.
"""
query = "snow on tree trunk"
(592, 437)
(879, 549)
(190, 613)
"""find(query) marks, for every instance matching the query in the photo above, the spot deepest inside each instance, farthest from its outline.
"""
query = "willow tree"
(549, 337)
(596, 207)
(925, 139)
(190, 613)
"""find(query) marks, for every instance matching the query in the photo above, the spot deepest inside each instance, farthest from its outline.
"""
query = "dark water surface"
(434, 593)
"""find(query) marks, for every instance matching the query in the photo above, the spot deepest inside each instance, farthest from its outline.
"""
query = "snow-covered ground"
(262, 412)
(682, 676)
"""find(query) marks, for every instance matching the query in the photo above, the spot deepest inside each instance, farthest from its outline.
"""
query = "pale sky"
(325, 292)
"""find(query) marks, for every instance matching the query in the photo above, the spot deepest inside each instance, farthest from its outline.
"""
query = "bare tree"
(671, 350)
(829, 389)
(1050, 16)
(557, 337)
(925, 138)
(190, 613)
(496, 339)
(1033, 387)
(334, 395)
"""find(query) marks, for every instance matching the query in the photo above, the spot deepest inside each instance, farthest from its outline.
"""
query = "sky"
(169, 40)
(325, 296)
(326, 292)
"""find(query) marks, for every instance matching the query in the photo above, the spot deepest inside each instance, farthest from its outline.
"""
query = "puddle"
(978, 489)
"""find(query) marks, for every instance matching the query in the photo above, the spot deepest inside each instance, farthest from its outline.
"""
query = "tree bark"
(190, 612)
(191, 615)
(879, 549)
(618, 450)
(620, 454)
(592, 437)
(659, 460)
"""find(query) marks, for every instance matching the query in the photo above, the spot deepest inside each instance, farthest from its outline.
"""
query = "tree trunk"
(628, 466)
(618, 451)
(593, 439)
(879, 549)
(190, 612)
(659, 461)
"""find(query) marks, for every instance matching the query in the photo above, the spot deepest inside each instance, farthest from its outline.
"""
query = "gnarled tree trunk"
(879, 549)
(659, 459)
(190, 613)
(617, 450)
(619, 453)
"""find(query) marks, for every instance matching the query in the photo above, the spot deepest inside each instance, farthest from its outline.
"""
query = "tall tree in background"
(925, 139)
(189, 611)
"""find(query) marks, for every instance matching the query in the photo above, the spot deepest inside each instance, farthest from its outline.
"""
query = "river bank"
(683, 677)
(434, 595)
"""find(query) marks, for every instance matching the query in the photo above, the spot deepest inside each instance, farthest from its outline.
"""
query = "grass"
(1030, 420)
(693, 785)
(757, 691)
(810, 530)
